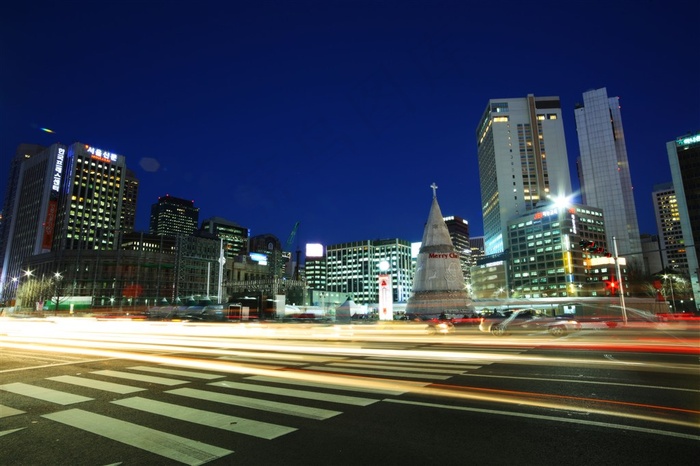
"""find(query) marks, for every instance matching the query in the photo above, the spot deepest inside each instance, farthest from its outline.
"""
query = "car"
(528, 320)
(434, 326)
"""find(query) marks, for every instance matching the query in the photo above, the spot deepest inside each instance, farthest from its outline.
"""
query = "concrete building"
(458, 228)
(684, 158)
(71, 199)
(522, 161)
(353, 269)
(671, 246)
(174, 216)
(129, 201)
(604, 170)
(234, 236)
(559, 251)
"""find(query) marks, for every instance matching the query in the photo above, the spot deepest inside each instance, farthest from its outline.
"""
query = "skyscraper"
(522, 161)
(234, 236)
(604, 170)
(131, 193)
(352, 269)
(668, 224)
(71, 198)
(459, 234)
(174, 216)
(684, 158)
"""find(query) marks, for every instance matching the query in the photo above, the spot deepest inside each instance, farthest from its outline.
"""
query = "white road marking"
(422, 370)
(6, 411)
(11, 431)
(421, 364)
(305, 394)
(170, 446)
(338, 386)
(97, 384)
(140, 377)
(163, 370)
(254, 403)
(44, 394)
(239, 425)
(550, 418)
(385, 373)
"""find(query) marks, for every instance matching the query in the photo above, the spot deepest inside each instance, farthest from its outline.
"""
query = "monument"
(438, 285)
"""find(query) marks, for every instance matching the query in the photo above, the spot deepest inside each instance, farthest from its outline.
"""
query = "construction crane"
(290, 241)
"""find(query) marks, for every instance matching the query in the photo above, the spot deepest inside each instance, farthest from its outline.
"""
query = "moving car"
(433, 326)
(528, 320)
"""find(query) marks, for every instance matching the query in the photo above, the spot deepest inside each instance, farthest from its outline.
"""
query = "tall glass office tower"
(684, 158)
(64, 198)
(522, 161)
(604, 170)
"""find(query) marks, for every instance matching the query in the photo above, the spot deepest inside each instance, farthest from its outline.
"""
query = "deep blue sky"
(336, 114)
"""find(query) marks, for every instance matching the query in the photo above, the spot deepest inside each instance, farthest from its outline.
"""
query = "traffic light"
(612, 285)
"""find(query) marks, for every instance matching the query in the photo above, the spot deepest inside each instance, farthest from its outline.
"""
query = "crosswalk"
(313, 388)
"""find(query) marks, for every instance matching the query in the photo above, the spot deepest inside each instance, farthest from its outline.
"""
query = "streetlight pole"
(619, 280)
(673, 299)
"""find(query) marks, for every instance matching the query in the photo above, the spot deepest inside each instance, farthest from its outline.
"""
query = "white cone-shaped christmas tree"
(438, 285)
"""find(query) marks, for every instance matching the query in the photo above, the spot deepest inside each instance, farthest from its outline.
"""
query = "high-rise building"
(684, 158)
(353, 269)
(23, 152)
(131, 193)
(458, 229)
(234, 236)
(315, 266)
(668, 224)
(71, 199)
(174, 216)
(522, 161)
(604, 170)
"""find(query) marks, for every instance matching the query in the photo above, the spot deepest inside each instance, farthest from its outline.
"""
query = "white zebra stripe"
(140, 377)
(254, 403)
(305, 394)
(171, 446)
(182, 373)
(239, 425)
(96, 384)
(44, 394)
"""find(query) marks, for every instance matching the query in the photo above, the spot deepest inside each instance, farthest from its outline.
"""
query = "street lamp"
(673, 300)
(57, 277)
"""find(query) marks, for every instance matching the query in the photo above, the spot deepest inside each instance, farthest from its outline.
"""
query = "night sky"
(336, 114)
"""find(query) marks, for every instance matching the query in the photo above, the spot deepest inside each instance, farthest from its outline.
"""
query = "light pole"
(673, 300)
(57, 278)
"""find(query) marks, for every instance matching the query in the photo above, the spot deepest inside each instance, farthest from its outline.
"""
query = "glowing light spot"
(47, 130)
(149, 164)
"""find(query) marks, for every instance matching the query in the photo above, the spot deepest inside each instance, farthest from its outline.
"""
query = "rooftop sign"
(686, 141)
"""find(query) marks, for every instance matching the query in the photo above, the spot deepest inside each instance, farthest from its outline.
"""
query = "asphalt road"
(187, 396)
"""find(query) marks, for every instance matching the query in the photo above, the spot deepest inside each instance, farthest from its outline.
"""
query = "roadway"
(78, 391)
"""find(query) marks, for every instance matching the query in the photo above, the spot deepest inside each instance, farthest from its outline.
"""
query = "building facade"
(458, 229)
(353, 269)
(684, 158)
(672, 250)
(129, 201)
(71, 199)
(174, 216)
(604, 170)
(522, 161)
(559, 251)
(235, 237)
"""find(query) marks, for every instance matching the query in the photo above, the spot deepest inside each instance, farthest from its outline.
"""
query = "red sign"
(49, 224)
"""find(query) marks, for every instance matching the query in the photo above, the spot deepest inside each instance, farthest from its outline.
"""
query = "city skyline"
(336, 115)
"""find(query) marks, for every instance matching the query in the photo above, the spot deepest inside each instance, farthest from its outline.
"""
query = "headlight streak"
(265, 350)
(121, 341)
(415, 388)
(412, 387)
